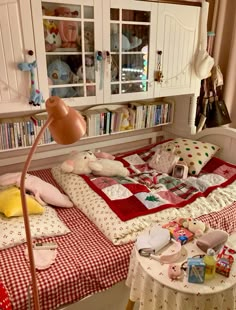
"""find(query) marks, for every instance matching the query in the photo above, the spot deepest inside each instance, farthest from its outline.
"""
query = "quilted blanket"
(213, 201)
(146, 191)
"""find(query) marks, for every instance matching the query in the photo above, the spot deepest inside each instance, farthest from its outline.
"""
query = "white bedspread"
(119, 232)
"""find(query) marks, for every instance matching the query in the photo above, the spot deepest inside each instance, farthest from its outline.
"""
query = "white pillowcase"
(47, 224)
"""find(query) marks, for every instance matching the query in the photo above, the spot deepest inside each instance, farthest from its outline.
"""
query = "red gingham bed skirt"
(87, 262)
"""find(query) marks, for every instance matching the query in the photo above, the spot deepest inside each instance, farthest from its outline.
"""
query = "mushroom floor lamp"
(66, 126)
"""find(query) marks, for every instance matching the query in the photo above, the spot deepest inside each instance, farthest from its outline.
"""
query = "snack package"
(178, 232)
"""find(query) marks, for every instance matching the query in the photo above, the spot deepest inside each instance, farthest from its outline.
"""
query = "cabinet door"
(177, 36)
(68, 34)
(128, 36)
(16, 39)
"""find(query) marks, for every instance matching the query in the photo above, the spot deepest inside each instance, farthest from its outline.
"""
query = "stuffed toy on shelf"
(59, 73)
(52, 36)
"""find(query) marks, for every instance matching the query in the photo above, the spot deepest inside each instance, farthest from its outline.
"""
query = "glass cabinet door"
(130, 51)
(68, 49)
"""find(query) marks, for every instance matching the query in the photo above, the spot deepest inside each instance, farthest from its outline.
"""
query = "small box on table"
(178, 232)
(196, 270)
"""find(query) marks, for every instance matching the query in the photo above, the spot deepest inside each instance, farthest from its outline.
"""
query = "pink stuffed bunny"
(45, 193)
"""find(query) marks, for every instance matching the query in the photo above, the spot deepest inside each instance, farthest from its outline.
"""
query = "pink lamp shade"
(67, 125)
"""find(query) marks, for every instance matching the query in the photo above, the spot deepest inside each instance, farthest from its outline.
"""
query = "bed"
(94, 258)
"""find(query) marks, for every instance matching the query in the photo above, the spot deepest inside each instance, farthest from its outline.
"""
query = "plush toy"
(59, 73)
(89, 70)
(52, 37)
(100, 154)
(36, 97)
(126, 43)
(45, 193)
(174, 272)
(68, 30)
(195, 226)
(88, 40)
(59, 11)
(65, 12)
(86, 163)
(89, 77)
(125, 122)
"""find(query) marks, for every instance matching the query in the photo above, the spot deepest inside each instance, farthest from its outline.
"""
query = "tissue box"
(196, 270)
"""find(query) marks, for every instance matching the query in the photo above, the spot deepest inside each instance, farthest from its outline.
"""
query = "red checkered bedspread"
(87, 262)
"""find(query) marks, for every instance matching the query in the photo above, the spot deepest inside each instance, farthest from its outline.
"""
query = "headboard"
(224, 137)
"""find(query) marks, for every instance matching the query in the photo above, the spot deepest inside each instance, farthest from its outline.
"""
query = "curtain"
(224, 51)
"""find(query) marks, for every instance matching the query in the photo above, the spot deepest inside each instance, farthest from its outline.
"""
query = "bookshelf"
(110, 119)
(20, 132)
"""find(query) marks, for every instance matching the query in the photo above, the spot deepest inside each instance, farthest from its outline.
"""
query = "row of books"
(15, 133)
(22, 133)
(133, 116)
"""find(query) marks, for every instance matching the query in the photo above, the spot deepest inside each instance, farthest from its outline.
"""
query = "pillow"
(46, 225)
(195, 154)
(10, 203)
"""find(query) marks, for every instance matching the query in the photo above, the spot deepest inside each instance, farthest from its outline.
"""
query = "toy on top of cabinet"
(65, 12)
(60, 11)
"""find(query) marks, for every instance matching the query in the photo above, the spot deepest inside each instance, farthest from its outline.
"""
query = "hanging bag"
(217, 113)
(203, 61)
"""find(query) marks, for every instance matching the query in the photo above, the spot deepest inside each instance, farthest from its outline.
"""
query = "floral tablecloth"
(150, 285)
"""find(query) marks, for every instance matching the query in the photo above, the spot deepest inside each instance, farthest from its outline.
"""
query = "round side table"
(150, 285)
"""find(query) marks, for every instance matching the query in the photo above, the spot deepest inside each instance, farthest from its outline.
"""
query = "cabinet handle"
(108, 57)
(30, 52)
(158, 76)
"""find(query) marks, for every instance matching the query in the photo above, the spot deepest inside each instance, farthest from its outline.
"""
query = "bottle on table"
(210, 262)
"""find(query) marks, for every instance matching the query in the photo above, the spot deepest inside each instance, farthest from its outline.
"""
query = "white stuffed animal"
(195, 226)
(86, 162)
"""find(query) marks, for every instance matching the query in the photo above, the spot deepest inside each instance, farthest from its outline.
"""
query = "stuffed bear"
(195, 226)
(86, 162)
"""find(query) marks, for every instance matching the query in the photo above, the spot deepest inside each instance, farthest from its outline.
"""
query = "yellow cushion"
(10, 203)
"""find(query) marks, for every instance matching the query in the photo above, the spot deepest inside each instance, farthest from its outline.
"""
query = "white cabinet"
(16, 40)
(129, 35)
(177, 38)
(96, 51)
(68, 35)
(99, 52)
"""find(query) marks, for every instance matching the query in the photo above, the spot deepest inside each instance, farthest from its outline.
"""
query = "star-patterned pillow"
(195, 154)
